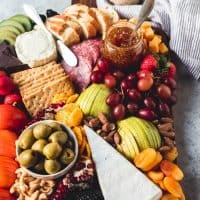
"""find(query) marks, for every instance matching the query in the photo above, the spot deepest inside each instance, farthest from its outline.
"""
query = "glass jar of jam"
(123, 45)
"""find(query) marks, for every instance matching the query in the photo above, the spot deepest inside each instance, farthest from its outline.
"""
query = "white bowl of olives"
(47, 149)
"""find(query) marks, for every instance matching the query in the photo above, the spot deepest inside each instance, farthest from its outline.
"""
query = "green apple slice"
(148, 133)
(127, 141)
(131, 138)
(151, 133)
(157, 135)
(139, 135)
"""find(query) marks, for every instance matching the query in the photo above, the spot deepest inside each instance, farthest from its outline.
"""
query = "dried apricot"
(70, 114)
(78, 133)
(161, 185)
(152, 165)
(173, 187)
(172, 170)
(163, 49)
(169, 197)
(72, 98)
(171, 155)
(145, 158)
(155, 176)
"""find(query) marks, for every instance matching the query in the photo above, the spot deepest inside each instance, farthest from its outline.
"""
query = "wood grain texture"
(88, 2)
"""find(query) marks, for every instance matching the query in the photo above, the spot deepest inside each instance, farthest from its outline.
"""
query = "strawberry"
(172, 70)
(6, 85)
(12, 98)
(149, 63)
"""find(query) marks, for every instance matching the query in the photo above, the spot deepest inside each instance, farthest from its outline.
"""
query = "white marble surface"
(187, 111)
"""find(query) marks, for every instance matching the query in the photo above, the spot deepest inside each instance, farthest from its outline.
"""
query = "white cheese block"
(118, 178)
(36, 48)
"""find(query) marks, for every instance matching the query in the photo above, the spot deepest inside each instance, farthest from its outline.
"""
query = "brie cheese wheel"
(36, 48)
(118, 178)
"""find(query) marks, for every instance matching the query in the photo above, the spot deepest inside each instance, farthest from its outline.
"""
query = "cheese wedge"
(118, 178)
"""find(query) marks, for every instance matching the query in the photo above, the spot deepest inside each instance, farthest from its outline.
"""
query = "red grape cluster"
(146, 93)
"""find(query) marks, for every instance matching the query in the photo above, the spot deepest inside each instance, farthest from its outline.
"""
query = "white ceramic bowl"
(64, 170)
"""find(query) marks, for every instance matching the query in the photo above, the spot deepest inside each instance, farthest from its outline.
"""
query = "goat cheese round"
(36, 48)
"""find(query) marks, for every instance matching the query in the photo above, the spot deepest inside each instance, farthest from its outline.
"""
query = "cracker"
(39, 85)
(41, 98)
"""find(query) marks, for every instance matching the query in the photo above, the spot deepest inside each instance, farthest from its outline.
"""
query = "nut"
(94, 123)
(170, 134)
(165, 127)
(164, 149)
(169, 142)
(166, 120)
(117, 138)
(108, 139)
(111, 134)
(107, 127)
(102, 118)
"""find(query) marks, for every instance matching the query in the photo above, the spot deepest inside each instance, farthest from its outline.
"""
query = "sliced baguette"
(112, 14)
(68, 35)
(104, 20)
(89, 30)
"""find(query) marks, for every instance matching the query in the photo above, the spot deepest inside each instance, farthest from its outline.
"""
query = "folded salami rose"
(88, 53)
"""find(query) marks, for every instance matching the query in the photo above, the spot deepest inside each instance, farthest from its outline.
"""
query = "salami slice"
(87, 53)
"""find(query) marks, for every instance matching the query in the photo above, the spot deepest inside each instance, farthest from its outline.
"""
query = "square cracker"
(39, 85)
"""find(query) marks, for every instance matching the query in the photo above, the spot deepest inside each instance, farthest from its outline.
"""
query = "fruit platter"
(102, 129)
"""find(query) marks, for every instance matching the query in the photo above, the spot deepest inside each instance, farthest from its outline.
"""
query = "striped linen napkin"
(180, 19)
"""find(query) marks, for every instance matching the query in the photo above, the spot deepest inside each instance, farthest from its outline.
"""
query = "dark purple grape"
(164, 109)
(110, 81)
(170, 82)
(134, 95)
(51, 13)
(147, 114)
(149, 103)
(126, 84)
(132, 108)
(114, 99)
(172, 100)
(103, 65)
(131, 77)
(119, 75)
(164, 91)
(97, 76)
(119, 112)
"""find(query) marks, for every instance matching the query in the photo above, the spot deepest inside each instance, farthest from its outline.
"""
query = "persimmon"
(5, 195)
(7, 171)
(7, 143)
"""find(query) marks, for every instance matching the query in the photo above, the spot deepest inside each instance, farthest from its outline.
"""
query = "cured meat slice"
(87, 52)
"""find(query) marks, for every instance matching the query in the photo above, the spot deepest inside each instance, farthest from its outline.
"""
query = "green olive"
(59, 137)
(39, 145)
(39, 167)
(52, 166)
(69, 144)
(67, 156)
(42, 131)
(27, 139)
(55, 126)
(27, 158)
(52, 150)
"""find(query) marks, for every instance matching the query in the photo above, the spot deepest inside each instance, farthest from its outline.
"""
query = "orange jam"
(123, 45)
